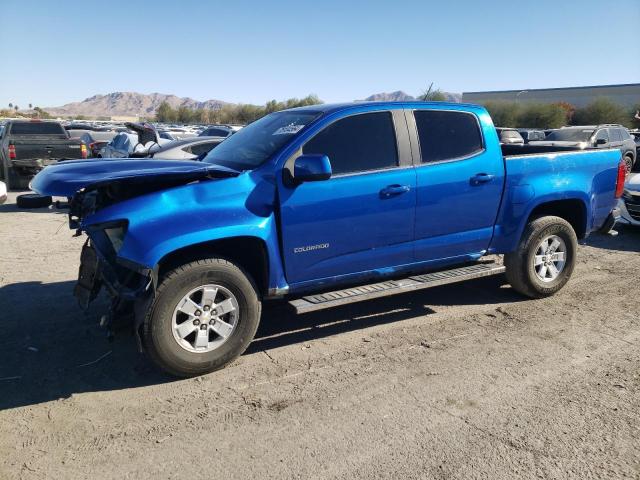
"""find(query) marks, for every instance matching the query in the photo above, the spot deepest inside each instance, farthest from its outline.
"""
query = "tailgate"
(51, 149)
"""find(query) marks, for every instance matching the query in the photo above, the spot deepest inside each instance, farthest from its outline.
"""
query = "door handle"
(480, 178)
(393, 190)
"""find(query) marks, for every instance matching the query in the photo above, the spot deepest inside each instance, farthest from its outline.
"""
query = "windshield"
(570, 135)
(255, 143)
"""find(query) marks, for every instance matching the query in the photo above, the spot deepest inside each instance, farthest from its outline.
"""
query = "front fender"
(162, 222)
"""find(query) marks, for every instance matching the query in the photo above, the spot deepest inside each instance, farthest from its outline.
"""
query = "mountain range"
(145, 105)
(129, 104)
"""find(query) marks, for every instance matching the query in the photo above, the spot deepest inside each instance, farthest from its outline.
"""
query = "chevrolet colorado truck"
(322, 206)
(27, 146)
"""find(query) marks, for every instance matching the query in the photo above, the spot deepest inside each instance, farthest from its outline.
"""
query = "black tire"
(33, 200)
(520, 269)
(158, 335)
(628, 163)
(11, 178)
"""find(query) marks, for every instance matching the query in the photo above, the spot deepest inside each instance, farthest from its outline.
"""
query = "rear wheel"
(545, 258)
(628, 163)
(11, 178)
(204, 316)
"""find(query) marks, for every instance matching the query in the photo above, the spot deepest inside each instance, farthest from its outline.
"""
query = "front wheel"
(204, 316)
(545, 258)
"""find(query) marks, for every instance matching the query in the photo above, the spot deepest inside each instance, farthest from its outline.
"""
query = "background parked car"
(120, 146)
(186, 149)
(166, 135)
(629, 204)
(95, 141)
(594, 136)
(531, 134)
(27, 146)
(635, 134)
(509, 136)
(219, 131)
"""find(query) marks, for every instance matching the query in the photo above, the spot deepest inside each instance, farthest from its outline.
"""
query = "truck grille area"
(632, 202)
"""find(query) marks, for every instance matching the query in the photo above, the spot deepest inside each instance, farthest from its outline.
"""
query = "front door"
(360, 221)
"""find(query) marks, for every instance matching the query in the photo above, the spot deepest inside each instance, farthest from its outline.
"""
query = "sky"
(55, 52)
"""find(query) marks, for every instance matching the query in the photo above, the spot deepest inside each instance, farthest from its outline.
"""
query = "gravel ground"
(467, 381)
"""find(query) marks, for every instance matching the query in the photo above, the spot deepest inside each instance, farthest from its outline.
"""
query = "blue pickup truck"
(321, 206)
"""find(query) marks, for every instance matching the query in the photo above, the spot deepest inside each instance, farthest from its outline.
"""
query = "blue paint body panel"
(325, 233)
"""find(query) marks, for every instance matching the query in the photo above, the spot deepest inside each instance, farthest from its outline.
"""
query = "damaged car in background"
(27, 146)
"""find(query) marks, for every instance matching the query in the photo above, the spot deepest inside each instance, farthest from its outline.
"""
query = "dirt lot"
(470, 381)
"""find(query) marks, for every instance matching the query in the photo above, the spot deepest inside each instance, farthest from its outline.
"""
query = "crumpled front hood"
(64, 179)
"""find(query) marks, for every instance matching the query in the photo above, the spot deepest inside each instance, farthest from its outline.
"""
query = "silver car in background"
(186, 149)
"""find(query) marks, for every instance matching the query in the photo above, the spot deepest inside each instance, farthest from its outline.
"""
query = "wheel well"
(573, 211)
(249, 253)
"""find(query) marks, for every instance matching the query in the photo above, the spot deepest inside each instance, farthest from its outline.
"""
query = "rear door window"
(447, 135)
(37, 128)
(358, 143)
(615, 135)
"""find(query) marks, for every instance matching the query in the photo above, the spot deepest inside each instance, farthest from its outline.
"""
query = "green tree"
(601, 110)
(184, 114)
(635, 116)
(541, 115)
(432, 95)
(165, 113)
(10, 105)
(503, 113)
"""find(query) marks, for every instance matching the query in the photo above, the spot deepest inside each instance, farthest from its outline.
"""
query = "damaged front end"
(129, 285)
(93, 187)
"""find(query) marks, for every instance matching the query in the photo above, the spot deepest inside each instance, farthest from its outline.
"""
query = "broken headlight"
(109, 236)
(116, 236)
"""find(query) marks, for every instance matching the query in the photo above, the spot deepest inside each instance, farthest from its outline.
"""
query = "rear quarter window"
(447, 135)
(37, 128)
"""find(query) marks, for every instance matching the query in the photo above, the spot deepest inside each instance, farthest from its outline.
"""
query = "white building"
(627, 95)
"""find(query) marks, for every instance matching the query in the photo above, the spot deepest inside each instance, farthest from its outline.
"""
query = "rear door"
(460, 178)
(360, 220)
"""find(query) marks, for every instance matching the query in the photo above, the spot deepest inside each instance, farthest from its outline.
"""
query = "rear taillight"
(83, 150)
(12, 152)
(622, 176)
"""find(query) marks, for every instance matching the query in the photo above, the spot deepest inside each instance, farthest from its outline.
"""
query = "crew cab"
(26, 147)
(321, 206)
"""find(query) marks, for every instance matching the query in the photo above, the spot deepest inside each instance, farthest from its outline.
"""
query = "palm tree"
(30, 106)
(10, 105)
(16, 107)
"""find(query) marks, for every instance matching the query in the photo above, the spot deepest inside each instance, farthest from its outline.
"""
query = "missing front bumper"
(88, 285)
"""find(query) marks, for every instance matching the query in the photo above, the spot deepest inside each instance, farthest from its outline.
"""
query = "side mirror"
(311, 168)
(601, 141)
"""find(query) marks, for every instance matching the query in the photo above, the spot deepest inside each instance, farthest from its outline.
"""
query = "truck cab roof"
(336, 107)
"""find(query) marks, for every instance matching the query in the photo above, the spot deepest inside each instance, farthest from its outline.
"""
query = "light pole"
(520, 93)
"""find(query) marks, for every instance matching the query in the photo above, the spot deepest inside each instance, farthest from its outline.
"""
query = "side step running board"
(391, 287)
